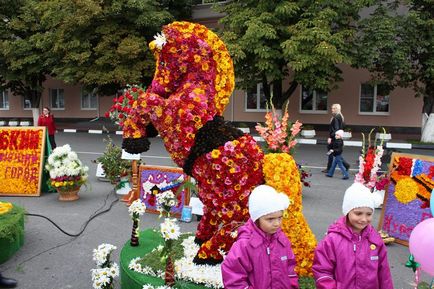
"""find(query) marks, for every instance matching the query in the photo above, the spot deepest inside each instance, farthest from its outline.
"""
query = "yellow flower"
(215, 153)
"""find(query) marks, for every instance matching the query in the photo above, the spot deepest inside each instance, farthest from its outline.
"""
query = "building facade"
(363, 105)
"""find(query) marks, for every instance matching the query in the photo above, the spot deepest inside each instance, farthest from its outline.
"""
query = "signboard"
(155, 179)
(21, 160)
(408, 194)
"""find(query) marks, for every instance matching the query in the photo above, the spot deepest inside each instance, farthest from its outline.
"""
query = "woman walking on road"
(336, 123)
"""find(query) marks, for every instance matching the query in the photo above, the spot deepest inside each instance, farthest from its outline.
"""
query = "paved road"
(50, 259)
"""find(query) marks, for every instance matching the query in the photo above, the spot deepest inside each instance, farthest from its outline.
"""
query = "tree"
(100, 44)
(103, 44)
(398, 48)
(23, 64)
(301, 40)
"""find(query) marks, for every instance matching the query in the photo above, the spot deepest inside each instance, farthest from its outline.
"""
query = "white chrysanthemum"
(160, 40)
(137, 207)
(101, 253)
(169, 229)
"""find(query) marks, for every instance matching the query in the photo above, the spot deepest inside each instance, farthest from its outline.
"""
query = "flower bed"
(11, 230)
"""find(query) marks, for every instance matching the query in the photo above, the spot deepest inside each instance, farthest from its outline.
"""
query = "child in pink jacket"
(261, 258)
(353, 255)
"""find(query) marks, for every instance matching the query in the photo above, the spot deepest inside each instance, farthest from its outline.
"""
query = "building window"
(374, 99)
(57, 99)
(255, 98)
(89, 100)
(27, 102)
(4, 100)
(313, 100)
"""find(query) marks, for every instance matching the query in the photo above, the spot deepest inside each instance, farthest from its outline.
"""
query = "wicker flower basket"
(68, 195)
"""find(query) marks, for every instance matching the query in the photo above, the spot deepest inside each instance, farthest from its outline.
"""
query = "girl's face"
(45, 111)
(359, 218)
(270, 223)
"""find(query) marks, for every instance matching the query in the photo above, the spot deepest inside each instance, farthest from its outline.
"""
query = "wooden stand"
(134, 194)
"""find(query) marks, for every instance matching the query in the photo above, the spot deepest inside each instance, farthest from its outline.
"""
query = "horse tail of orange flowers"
(281, 172)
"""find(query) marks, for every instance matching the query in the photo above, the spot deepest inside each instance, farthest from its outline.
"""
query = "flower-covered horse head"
(192, 84)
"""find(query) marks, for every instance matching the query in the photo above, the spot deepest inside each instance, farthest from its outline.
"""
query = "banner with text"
(21, 160)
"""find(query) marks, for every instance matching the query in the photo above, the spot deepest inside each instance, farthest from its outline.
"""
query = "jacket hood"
(340, 227)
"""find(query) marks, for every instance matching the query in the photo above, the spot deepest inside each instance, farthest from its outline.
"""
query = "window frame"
(314, 100)
(24, 98)
(51, 98)
(4, 95)
(375, 102)
(83, 93)
(258, 99)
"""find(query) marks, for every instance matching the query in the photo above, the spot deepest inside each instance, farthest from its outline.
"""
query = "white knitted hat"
(357, 196)
(266, 200)
(339, 133)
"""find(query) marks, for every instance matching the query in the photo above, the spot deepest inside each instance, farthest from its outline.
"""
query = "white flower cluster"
(185, 269)
(169, 229)
(137, 207)
(137, 267)
(102, 277)
(160, 40)
(101, 253)
(165, 200)
(210, 276)
(64, 162)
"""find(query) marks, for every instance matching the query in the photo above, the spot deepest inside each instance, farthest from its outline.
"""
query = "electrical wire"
(76, 235)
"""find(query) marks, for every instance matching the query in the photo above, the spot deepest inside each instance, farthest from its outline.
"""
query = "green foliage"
(306, 283)
(112, 163)
(398, 49)
(301, 40)
(101, 44)
(153, 258)
(8, 223)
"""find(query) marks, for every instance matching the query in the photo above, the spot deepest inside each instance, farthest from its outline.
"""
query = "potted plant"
(116, 169)
(347, 133)
(67, 173)
(308, 131)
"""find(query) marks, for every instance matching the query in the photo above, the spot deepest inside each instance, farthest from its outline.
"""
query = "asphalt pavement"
(51, 259)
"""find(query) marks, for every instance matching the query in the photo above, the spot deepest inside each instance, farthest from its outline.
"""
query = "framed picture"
(157, 179)
(407, 196)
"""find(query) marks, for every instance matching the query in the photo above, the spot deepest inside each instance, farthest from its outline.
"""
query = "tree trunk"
(428, 128)
(35, 115)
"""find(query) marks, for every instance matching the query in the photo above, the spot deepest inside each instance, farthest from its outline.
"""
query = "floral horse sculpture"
(192, 84)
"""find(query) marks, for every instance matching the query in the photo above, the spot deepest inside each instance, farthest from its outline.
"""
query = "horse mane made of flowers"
(369, 162)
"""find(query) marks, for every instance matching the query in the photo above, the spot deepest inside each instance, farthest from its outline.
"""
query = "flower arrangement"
(185, 269)
(21, 149)
(281, 172)
(165, 201)
(170, 231)
(66, 170)
(369, 162)
(123, 104)
(112, 163)
(136, 209)
(103, 276)
(278, 134)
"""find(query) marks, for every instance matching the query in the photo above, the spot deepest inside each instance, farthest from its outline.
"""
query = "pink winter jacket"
(346, 260)
(259, 261)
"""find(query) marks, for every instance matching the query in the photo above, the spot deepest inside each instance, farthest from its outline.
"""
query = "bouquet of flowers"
(279, 134)
(369, 162)
(103, 276)
(165, 201)
(123, 104)
(66, 170)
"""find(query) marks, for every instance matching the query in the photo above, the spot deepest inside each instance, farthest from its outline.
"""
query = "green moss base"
(11, 232)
